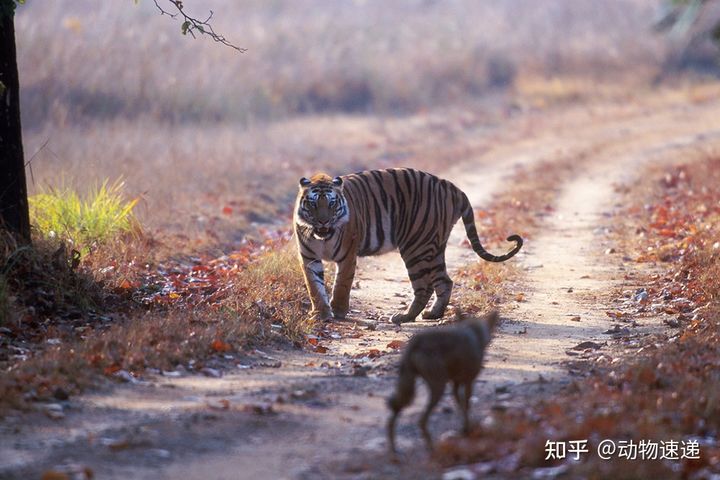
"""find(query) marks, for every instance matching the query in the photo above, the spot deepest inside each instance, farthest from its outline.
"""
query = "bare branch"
(191, 24)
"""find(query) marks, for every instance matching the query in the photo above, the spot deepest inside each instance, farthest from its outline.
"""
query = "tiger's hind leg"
(443, 288)
(442, 285)
(421, 273)
(422, 291)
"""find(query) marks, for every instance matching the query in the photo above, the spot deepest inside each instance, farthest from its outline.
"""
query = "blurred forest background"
(214, 140)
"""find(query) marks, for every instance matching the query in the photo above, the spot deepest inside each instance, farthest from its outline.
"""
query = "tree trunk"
(14, 214)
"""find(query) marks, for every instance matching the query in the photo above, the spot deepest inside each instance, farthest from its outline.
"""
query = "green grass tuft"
(103, 214)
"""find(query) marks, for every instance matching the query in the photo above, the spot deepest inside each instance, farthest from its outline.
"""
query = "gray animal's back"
(454, 351)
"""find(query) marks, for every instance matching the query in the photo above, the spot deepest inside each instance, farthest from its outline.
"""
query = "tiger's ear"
(304, 182)
(337, 181)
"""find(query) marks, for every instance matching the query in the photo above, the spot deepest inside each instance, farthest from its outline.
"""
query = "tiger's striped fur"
(373, 212)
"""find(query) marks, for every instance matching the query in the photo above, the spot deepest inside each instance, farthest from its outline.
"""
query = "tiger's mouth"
(323, 233)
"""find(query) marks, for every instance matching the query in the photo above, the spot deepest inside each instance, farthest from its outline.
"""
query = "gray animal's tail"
(405, 391)
(401, 398)
(471, 231)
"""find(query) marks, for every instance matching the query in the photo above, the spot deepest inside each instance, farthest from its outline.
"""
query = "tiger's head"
(321, 205)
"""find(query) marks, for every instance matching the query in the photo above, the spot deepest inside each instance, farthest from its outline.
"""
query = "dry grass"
(45, 281)
(310, 56)
(265, 305)
(247, 180)
(154, 340)
(542, 91)
(46, 298)
(483, 286)
(272, 292)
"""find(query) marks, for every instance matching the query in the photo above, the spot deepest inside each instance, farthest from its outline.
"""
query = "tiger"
(373, 212)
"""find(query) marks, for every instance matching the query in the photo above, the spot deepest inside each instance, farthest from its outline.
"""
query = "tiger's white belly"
(376, 231)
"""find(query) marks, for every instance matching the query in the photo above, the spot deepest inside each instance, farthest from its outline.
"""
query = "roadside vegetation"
(135, 340)
(668, 389)
(89, 300)
(60, 213)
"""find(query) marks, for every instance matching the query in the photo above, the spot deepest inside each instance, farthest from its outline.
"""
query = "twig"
(191, 24)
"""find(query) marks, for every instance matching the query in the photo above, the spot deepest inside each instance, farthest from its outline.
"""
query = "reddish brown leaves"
(314, 342)
(112, 369)
(200, 280)
(220, 346)
(372, 353)
(320, 349)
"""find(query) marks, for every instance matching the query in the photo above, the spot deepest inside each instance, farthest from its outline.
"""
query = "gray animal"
(438, 356)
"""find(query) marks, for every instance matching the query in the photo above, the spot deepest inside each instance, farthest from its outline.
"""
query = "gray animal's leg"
(437, 387)
(467, 390)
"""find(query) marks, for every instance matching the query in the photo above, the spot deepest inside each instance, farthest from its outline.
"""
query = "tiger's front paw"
(339, 310)
(324, 315)
(399, 318)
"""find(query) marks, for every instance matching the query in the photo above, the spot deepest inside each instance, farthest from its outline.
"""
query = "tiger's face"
(321, 205)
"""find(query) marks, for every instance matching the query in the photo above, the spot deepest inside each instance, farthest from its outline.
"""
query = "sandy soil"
(295, 414)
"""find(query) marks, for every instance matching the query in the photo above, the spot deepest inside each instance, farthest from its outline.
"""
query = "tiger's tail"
(469, 220)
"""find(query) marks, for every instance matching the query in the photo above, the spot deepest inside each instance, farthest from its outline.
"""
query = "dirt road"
(296, 414)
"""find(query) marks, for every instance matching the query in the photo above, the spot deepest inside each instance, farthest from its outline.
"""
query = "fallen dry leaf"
(54, 475)
(112, 369)
(220, 346)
